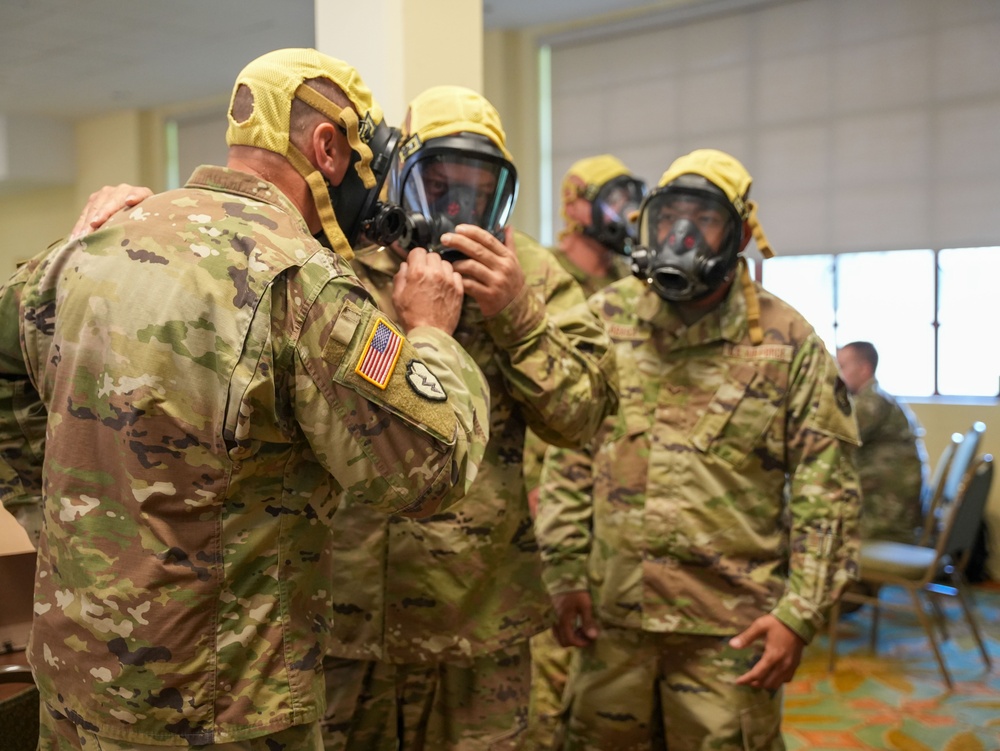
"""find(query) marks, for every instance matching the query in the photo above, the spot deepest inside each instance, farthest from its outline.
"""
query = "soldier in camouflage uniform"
(435, 655)
(191, 391)
(696, 545)
(599, 193)
(892, 460)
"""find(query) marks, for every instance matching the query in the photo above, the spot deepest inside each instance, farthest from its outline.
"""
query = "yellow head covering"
(446, 110)
(275, 79)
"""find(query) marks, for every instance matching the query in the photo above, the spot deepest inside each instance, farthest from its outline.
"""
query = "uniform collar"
(384, 261)
(224, 179)
(727, 322)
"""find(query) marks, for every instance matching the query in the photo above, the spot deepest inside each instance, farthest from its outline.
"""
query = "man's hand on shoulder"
(105, 202)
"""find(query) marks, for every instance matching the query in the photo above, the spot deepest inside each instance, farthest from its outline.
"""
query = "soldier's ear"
(331, 151)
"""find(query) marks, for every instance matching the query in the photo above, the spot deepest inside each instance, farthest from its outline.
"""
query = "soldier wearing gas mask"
(599, 195)
(254, 389)
(698, 542)
(416, 608)
(453, 601)
(443, 179)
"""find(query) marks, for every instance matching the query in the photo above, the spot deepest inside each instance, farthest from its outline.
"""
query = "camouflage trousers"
(549, 669)
(58, 733)
(475, 705)
(635, 691)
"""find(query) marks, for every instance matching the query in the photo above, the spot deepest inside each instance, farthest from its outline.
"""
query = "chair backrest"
(953, 479)
(933, 489)
(966, 514)
(961, 463)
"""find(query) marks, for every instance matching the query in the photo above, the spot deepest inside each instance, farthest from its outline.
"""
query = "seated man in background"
(892, 460)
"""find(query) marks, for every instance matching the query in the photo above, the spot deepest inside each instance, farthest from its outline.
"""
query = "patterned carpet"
(896, 699)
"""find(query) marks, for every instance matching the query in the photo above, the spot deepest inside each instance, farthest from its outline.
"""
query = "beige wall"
(510, 82)
(940, 421)
(31, 221)
(124, 146)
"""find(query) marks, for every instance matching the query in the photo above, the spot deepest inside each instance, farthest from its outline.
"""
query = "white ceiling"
(79, 58)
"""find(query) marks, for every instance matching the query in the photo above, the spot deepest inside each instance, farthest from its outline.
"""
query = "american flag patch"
(380, 354)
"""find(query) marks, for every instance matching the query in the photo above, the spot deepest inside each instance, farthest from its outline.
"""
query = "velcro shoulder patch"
(368, 351)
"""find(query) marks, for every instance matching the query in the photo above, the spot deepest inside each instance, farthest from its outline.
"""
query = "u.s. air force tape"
(425, 383)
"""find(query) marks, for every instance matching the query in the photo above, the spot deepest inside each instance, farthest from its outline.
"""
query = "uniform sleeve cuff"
(562, 578)
(800, 616)
(524, 314)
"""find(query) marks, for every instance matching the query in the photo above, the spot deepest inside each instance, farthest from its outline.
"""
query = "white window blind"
(867, 124)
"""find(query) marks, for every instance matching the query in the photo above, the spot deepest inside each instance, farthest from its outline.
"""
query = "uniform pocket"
(740, 412)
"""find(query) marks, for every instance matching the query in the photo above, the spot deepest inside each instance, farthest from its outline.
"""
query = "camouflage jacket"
(590, 283)
(468, 581)
(892, 466)
(724, 489)
(534, 447)
(197, 366)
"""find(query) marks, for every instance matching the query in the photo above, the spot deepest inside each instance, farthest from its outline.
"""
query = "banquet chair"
(953, 477)
(926, 572)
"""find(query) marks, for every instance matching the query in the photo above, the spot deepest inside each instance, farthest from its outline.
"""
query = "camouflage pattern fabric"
(473, 704)
(723, 489)
(467, 583)
(549, 661)
(196, 363)
(534, 446)
(637, 690)
(590, 284)
(892, 466)
(59, 733)
(550, 669)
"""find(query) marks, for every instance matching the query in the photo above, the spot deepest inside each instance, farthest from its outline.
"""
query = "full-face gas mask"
(357, 207)
(455, 179)
(615, 201)
(689, 239)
